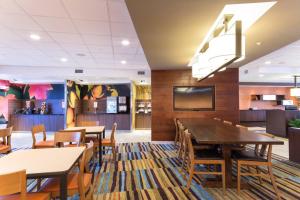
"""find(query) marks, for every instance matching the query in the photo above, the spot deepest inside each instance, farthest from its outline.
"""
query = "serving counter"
(22, 122)
(106, 119)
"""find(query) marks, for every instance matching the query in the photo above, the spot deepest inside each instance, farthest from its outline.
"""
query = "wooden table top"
(88, 129)
(48, 161)
(209, 131)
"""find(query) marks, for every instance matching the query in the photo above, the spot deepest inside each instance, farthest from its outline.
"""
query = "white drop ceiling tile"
(124, 50)
(92, 27)
(51, 8)
(87, 9)
(105, 63)
(18, 22)
(97, 40)
(73, 49)
(123, 30)
(100, 49)
(140, 51)
(127, 57)
(25, 34)
(85, 62)
(66, 38)
(6, 36)
(56, 54)
(117, 41)
(56, 24)
(10, 7)
(118, 11)
(101, 56)
(47, 46)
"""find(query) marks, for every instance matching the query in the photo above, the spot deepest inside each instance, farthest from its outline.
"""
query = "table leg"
(100, 149)
(103, 148)
(63, 187)
(228, 165)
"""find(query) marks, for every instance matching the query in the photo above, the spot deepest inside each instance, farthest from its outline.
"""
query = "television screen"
(194, 98)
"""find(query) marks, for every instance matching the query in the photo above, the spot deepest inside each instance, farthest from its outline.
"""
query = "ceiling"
(88, 33)
(278, 67)
(171, 30)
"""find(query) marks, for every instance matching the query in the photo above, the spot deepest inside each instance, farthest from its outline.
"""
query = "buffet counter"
(107, 119)
(23, 122)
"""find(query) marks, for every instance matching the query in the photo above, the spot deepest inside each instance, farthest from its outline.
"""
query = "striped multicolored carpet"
(152, 171)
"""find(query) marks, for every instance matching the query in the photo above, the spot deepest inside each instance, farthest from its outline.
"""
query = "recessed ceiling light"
(125, 42)
(261, 75)
(258, 43)
(268, 62)
(123, 62)
(63, 59)
(35, 37)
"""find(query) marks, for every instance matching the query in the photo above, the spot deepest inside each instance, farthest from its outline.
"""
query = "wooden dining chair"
(260, 156)
(40, 129)
(239, 147)
(78, 183)
(82, 136)
(13, 187)
(111, 142)
(217, 119)
(5, 143)
(176, 132)
(202, 157)
(68, 139)
(227, 122)
(180, 139)
(92, 137)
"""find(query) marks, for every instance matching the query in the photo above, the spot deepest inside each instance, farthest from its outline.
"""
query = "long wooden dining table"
(209, 131)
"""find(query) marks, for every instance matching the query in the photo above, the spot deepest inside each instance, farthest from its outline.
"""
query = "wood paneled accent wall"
(162, 81)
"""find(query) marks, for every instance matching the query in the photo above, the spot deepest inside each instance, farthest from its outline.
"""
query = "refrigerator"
(111, 105)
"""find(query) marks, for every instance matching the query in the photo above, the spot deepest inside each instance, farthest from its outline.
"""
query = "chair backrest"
(264, 149)
(181, 132)
(113, 131)
(227, 122)
(5, 134)
(217, 119)
(87, 156)
(89, 123)
(38, 129)
(60, 138)
(176, 129)
(82, 131)
(190, 148)
(13, 183)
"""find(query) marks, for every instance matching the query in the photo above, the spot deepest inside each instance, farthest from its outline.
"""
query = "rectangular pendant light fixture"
(225, 41)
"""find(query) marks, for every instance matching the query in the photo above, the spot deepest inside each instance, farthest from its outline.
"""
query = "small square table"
(92, 130)
(43, 163)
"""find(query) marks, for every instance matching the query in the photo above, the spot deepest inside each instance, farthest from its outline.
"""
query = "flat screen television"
(194, 98)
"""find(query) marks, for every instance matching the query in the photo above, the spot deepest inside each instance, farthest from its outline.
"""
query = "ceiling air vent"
(78, 71)
(141, 73)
